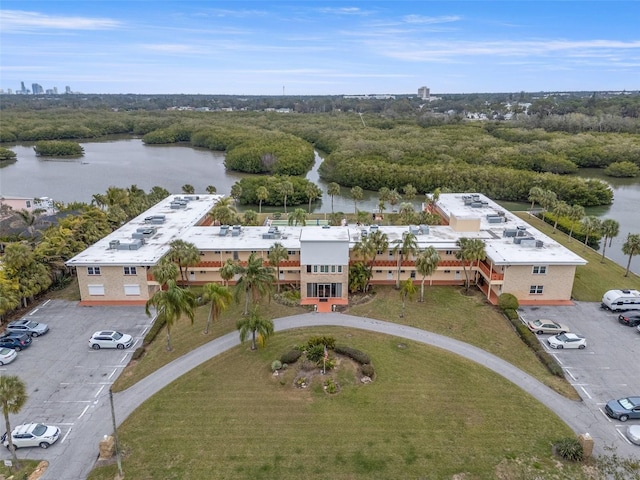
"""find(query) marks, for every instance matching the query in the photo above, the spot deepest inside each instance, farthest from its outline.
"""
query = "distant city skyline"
(319, 48)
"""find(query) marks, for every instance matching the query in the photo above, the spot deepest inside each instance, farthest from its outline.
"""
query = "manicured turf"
(428, 414)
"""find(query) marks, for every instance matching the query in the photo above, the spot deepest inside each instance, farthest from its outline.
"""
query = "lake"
(122, 162)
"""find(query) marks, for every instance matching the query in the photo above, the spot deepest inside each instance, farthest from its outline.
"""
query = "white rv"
(617, 300)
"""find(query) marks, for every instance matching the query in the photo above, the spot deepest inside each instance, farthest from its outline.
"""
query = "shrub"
(291, 356)
(367, 370)
(330, 385)
(58, 148)
(276, 365)
(138, 353)
(315, 353)
(308, 365)
(507, 301)
(569, 449)
(511, 314)
(329, 342)
(531, 340)
(354, 354)
(622, 169)
(153, 331)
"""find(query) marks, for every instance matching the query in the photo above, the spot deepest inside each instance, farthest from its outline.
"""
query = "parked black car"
(17, 341)
(630, 319)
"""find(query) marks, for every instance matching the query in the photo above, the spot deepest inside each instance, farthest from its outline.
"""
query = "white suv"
(110, 339)
(32, 435)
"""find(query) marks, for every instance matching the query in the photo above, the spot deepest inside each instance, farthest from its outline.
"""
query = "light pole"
(115, 435)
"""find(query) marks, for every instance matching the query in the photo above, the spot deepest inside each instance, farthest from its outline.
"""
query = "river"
(124, 161)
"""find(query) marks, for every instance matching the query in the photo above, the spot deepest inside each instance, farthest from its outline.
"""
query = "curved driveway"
(80, 463)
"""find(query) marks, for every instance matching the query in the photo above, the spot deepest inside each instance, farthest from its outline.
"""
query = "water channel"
(122, 162)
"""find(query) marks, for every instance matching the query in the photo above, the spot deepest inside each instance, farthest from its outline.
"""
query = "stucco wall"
(557, 282)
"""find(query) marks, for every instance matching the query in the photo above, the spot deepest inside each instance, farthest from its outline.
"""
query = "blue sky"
(319, 48)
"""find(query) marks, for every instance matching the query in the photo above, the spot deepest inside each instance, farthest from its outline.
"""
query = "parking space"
(607, 368)
(65, 378)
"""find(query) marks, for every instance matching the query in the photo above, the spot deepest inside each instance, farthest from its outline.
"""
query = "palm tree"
(426, 265)
(394, 198)
(313, 193)
(359, 277)
(403, 249)
(409, 192)
(236, 192)
(170, 305)
(30, 218)
(13, 396)
(164, 270)
(368, 248)
(356, 194)
(250, 217)
(591, 225)
(631, 247)
(535, 194)
(223, 212)
(211, 189)
(408, 290)
(228, 270)
(470, 250)
(560, 209)
(383, 196)
(333, 189)
(185, 254)
(186, 188)
(255, 324)
(575, 214)
(610, 229)
(298, 216)
(219, 298)
(262, 193)
(286, 189)
(406, 212)
(277, 253)
(255, 280)
(548, 199)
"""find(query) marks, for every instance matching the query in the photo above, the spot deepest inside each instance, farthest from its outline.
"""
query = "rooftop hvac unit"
(177, 205)
(424, 229)
(521, 227)
(467, 200)
(373, 227)
(191, 197)
(521, 233)
(138, 235)
(509, 232)
(539, 244)
(414, 229)
(113, 244)
(519, 240)
(476, 204)
(364, 233)
(326, 227)
(155, 219)
(528, 242)
(223, 230)
(235, 232)
(475, 197)
(495, 219)
(268, 236)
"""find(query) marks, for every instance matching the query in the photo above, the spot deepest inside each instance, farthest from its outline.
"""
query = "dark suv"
(630, 319)
(17, 341)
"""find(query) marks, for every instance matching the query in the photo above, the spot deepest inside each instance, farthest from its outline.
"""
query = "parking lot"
(608, 368)
(66, 380)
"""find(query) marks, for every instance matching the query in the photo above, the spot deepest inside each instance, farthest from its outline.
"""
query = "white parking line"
(557, 359)
(67, 401)
(124, 357)
(569, 373)
(84, 411)
(34, 311)
(98, 392)
(623, 436)
(585, 392)
(66, 435)
(112, 373)
(605, 415)
(45, 303)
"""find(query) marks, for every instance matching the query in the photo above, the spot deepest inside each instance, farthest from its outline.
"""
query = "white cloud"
(430, 20)
(19, 21)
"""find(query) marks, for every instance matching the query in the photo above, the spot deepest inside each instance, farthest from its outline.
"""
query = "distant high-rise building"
(23, 89)
(67, 89)
(423, 93)
(55, 90)
(36, 89)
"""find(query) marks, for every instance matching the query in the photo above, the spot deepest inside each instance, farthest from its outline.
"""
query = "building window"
(28, 202)
(308, 268)
(536, 289)
(539, 269)
(132, 290)
(96, 289)
(324, 290)
(93, 270)
(217, 252)
(291, 252)
(235, 255)
(448, 252)
(324, 268)
(447, 271)
(339, 268)
(413, 274)
(130, 271)
(315, 269)
(333, 269)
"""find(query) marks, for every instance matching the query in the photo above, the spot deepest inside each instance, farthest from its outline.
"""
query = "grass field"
(428, 415)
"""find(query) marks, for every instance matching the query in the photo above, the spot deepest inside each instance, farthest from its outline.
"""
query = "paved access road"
(84, 413)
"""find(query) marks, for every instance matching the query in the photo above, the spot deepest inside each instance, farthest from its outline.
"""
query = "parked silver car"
(110, 339)
(29, 327)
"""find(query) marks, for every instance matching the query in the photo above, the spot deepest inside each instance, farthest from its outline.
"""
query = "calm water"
(122, 162)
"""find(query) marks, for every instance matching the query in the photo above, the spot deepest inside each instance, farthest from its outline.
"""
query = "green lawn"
(429, 414)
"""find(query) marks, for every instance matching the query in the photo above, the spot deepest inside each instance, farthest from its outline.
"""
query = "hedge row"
(291, 356)
(531, 340)
(158, 324)
(354, 354)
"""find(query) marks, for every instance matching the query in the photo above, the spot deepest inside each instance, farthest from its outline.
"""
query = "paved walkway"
(575, 414)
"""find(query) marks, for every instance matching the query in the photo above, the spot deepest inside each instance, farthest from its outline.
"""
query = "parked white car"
(633, 434)
(32, 435)
(7, 355)
(110, 339)
(567, 340)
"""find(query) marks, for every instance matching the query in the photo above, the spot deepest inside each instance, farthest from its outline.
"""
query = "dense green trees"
(172, 304)
(58, 148)
(251, 188)
(7, 155)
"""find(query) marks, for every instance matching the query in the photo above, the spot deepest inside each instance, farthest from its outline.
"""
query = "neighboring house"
(520, 260)
(29, 204)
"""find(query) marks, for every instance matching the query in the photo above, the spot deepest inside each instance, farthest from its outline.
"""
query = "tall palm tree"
(470, 250)
(223, 212)
(591, 225)
(333, 189)
(575, 215)
(298, 216)
(13, 396)
(255, 324)
(218, 298)
(403, 249)
(164, 270)
(286, 189)
(548, 199)
(277, 253)
(631, 247)
(409, 192)
(185, 254)
(383, 196)
(255, 280)
(610, 229)
(408, 290)
(262, 193)
(211, 189)
(535, 194)
(170, 305)
(368, 248)
(228, 270)
(426, 265)
(313, 193)
(394, 198)
(560, 209)
(187, 188)
(236, 192)
(250, 217)
(356, 193)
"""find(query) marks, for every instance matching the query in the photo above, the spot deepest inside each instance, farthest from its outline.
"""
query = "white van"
(618, 300)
